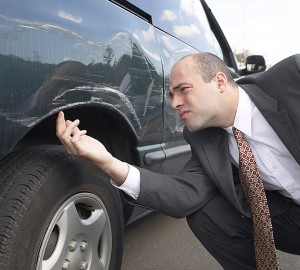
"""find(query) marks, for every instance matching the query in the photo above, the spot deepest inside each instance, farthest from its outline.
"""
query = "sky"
(265, 27)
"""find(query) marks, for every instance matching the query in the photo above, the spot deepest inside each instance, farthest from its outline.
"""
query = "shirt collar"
(242, 120)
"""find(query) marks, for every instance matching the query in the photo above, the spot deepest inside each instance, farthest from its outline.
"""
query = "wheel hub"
(78, 237)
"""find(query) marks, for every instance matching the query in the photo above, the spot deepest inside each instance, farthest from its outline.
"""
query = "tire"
(58, 212)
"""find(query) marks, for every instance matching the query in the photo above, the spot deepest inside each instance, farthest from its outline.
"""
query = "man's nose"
(176, 102)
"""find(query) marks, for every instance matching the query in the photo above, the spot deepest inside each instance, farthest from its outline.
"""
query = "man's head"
(203, 91)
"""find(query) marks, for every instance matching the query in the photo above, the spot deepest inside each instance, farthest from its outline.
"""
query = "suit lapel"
(278, 120)
(219, 160)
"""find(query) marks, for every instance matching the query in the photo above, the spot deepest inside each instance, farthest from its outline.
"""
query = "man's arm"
(78, 143)
(174, 195)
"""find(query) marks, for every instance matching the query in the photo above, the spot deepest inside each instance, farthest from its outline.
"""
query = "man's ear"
(221, 80)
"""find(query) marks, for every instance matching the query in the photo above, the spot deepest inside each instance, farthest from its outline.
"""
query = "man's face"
(196, 101)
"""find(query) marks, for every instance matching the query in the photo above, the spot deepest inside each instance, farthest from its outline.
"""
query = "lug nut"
(83, 265)
(66, 265)
(73, 245)
(83, 245)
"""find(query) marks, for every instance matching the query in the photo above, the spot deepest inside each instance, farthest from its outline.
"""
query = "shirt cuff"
(131, 186)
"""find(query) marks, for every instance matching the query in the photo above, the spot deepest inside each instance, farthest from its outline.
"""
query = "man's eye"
(184, 89)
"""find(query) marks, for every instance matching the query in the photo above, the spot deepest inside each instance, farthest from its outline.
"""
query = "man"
(265, 108)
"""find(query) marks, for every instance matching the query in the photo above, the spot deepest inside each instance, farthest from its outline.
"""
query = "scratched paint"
(57, 62)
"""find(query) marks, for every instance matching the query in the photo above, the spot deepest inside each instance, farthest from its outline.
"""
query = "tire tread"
(21, 175)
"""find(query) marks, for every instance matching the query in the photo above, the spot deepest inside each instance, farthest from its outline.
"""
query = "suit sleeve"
(176, 195)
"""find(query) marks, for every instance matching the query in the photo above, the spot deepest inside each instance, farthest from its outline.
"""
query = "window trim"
(133, 9)
(229, 58)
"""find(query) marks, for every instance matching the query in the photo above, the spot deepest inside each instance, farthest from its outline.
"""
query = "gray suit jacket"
(276, 93)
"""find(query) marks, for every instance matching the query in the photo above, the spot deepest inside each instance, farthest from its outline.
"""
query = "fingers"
(67, 136)
(68, 133)
(74, 128)
(60, 124)
(77, 135)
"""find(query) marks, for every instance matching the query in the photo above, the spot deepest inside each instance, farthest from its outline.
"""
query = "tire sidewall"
(73, 177)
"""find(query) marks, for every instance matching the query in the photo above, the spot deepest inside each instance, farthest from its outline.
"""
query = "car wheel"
(58, 212)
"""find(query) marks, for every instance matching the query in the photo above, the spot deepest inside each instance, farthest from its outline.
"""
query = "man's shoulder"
(288, 67)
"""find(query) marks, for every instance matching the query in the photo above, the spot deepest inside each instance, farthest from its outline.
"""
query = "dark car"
(106, 63)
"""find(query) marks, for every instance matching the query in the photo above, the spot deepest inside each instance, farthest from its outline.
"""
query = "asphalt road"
(158, 242)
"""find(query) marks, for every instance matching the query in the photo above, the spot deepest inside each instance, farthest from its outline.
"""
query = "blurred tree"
(241, 56)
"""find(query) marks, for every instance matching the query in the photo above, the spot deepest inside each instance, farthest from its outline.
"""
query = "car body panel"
(59, 56)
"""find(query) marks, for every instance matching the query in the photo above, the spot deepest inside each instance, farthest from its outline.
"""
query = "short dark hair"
(209, 65)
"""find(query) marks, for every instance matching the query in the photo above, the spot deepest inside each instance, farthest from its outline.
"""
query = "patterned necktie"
(265, 251)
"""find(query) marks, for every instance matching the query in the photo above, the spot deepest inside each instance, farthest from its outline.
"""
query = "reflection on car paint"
(64, 65)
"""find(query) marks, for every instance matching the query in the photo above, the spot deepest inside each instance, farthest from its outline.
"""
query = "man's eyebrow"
(177, 87)
(180, 85)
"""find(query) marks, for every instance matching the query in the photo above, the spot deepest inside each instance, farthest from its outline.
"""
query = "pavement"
(158, 242)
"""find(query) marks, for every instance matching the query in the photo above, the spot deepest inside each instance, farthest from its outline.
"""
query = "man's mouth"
(183, 114)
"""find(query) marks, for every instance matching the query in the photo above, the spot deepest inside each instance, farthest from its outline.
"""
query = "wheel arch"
(105, 124)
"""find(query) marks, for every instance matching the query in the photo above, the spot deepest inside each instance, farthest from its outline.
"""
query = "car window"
(217, 47)
(184, 19)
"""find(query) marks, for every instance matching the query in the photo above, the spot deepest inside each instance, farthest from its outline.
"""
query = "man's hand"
(76, 142)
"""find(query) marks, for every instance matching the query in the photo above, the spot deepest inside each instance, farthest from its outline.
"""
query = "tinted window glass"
(184, 19)
(218, 47)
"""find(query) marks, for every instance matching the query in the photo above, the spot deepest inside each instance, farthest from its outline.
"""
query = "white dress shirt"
(132, 184)
(278, 169)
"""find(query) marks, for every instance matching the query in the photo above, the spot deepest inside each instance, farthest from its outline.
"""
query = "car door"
(182, 27)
